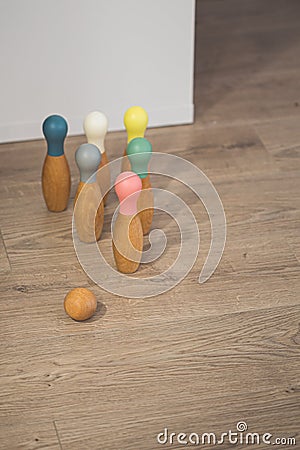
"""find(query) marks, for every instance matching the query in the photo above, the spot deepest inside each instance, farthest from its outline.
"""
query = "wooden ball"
(80, 304)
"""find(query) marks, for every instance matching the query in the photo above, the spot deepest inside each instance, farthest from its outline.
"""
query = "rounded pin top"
(88, 158)
(128, 187)
(95, 126)
(139, 152)
(55, 129)
(135, 121)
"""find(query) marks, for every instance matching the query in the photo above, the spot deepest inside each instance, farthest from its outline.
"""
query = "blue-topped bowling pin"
(56, 180)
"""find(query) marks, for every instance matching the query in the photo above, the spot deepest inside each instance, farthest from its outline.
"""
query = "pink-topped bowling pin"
(128, 232)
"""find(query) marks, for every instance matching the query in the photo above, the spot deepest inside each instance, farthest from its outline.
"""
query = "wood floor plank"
(232, 150)
(253, 213)
(93, 432)
(23, 434)
(36, 310)
(283, 142)
(240, 98)
(5, 266)
(258, 37)
(119, 360)
(246, 61)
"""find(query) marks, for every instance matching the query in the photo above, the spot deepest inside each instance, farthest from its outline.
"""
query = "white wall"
(73, 56)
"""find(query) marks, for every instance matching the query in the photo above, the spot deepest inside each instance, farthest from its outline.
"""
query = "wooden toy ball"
(80, 304)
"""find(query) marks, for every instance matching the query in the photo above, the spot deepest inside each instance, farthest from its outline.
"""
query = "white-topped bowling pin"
(95, 126)
(88, 203)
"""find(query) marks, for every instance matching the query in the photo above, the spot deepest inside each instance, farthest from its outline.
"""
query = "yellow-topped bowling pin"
(135, 122)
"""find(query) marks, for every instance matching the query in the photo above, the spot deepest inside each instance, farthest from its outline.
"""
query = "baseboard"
(22, 131)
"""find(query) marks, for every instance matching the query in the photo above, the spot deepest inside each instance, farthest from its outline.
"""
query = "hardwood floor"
(199, 358)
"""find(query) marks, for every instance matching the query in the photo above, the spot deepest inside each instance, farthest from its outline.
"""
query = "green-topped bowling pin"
(139, 152)
(56, 180)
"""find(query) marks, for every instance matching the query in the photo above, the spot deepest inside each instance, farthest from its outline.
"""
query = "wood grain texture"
(247, 61)
(243, 363)
(88, 212)
(103, 177)
(5, 266)
(127, 243)
(282, 141)
(27, 434)
(125, 166)
(56, 182)
(199, 357)
(145, 205)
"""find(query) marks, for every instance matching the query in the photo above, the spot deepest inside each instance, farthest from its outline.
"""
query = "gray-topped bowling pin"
(88, 203)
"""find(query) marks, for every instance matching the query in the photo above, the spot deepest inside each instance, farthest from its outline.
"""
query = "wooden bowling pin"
(56, 180)
(95, 126)
(88, 203)
(135, 121)
(127, 232)
(139, 152)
